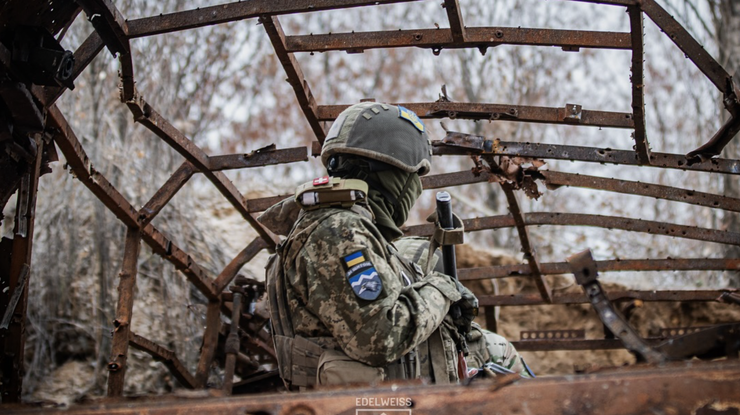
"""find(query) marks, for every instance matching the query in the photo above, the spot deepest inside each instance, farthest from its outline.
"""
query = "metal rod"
(210, 342)
(638, 85)
(230, 271)
(579, 298)
(124, 311)
(475, 37)
(232, 344)
(295, 75)
(554, 268)
(501, 112)
(165, 356)
(166, 193)
(530, 254)
(230, 12)
(454, 15)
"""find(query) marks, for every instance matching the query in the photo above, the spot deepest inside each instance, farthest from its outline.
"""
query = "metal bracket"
(583, 266)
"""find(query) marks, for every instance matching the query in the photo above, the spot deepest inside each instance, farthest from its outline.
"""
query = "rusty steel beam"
(562, 344)
(688, 45)
(475, 37)
(109, 23)
(230, 271)
(261, 204)
(530, 254)
(210, 342)
(147, 116)
(166, 356)
(166, 193)
(230, 12)
(694, 387)
(642, 147)
(182, 261)
(258, 158)
(454, 15)
(84, 171)
(13, 337)
(675, 194)
(599, 221)
(232, 345)
(493, 112)
(635, 225)
(597, 155)
(296, 79)
(553, 268)
(580, 298)
(610, 2)
(583, 267)
(124, 311)
(120, 207)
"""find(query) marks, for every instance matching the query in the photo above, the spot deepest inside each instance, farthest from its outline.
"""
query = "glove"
(467, 309)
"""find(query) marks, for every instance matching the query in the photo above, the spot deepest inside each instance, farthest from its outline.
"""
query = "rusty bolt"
(418, 36)
(499, 34)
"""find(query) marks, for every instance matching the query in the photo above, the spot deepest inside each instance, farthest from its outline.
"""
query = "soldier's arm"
(375, 328)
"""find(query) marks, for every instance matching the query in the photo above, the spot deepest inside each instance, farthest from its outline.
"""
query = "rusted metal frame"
(164, 355)
(530, 254)
(553, 268)
(681, 387)
(262, 203)
(84, 55)
(210, 342)
(119, 206)
(675, 194)
(475, 37)
(521, 113)
(230, 271)
(599, 155)
(638, 84)
(182, 261)
(295, 75)
(109, 23)
(14, 337)
(232, 344)
(166, 193)
(454, 15)
(230, 12)
(600, 221)
(580, 298)
(610, 2)
(635, 225)
(147, 116)
(124, 310)
(577, 344)
(583, 267)
(688, 45)
(259, 158)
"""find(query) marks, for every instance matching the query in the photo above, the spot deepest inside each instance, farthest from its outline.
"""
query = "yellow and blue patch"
(363, 277)
(410, 116)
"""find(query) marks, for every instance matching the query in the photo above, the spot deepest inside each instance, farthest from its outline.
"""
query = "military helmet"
(387, 133)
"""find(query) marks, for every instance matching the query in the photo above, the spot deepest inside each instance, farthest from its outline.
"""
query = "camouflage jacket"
(345, 281)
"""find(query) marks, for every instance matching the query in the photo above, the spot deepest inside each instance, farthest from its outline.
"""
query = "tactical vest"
(306, 362)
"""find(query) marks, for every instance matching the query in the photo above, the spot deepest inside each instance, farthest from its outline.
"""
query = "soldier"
(346, 306)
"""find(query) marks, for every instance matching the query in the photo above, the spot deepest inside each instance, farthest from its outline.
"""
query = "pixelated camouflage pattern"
(322, 303)
(486, 346)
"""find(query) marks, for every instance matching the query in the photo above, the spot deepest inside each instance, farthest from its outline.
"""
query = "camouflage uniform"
(394, 321)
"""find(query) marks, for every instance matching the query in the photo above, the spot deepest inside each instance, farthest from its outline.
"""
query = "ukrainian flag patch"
(411, 117)
(354, 259)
